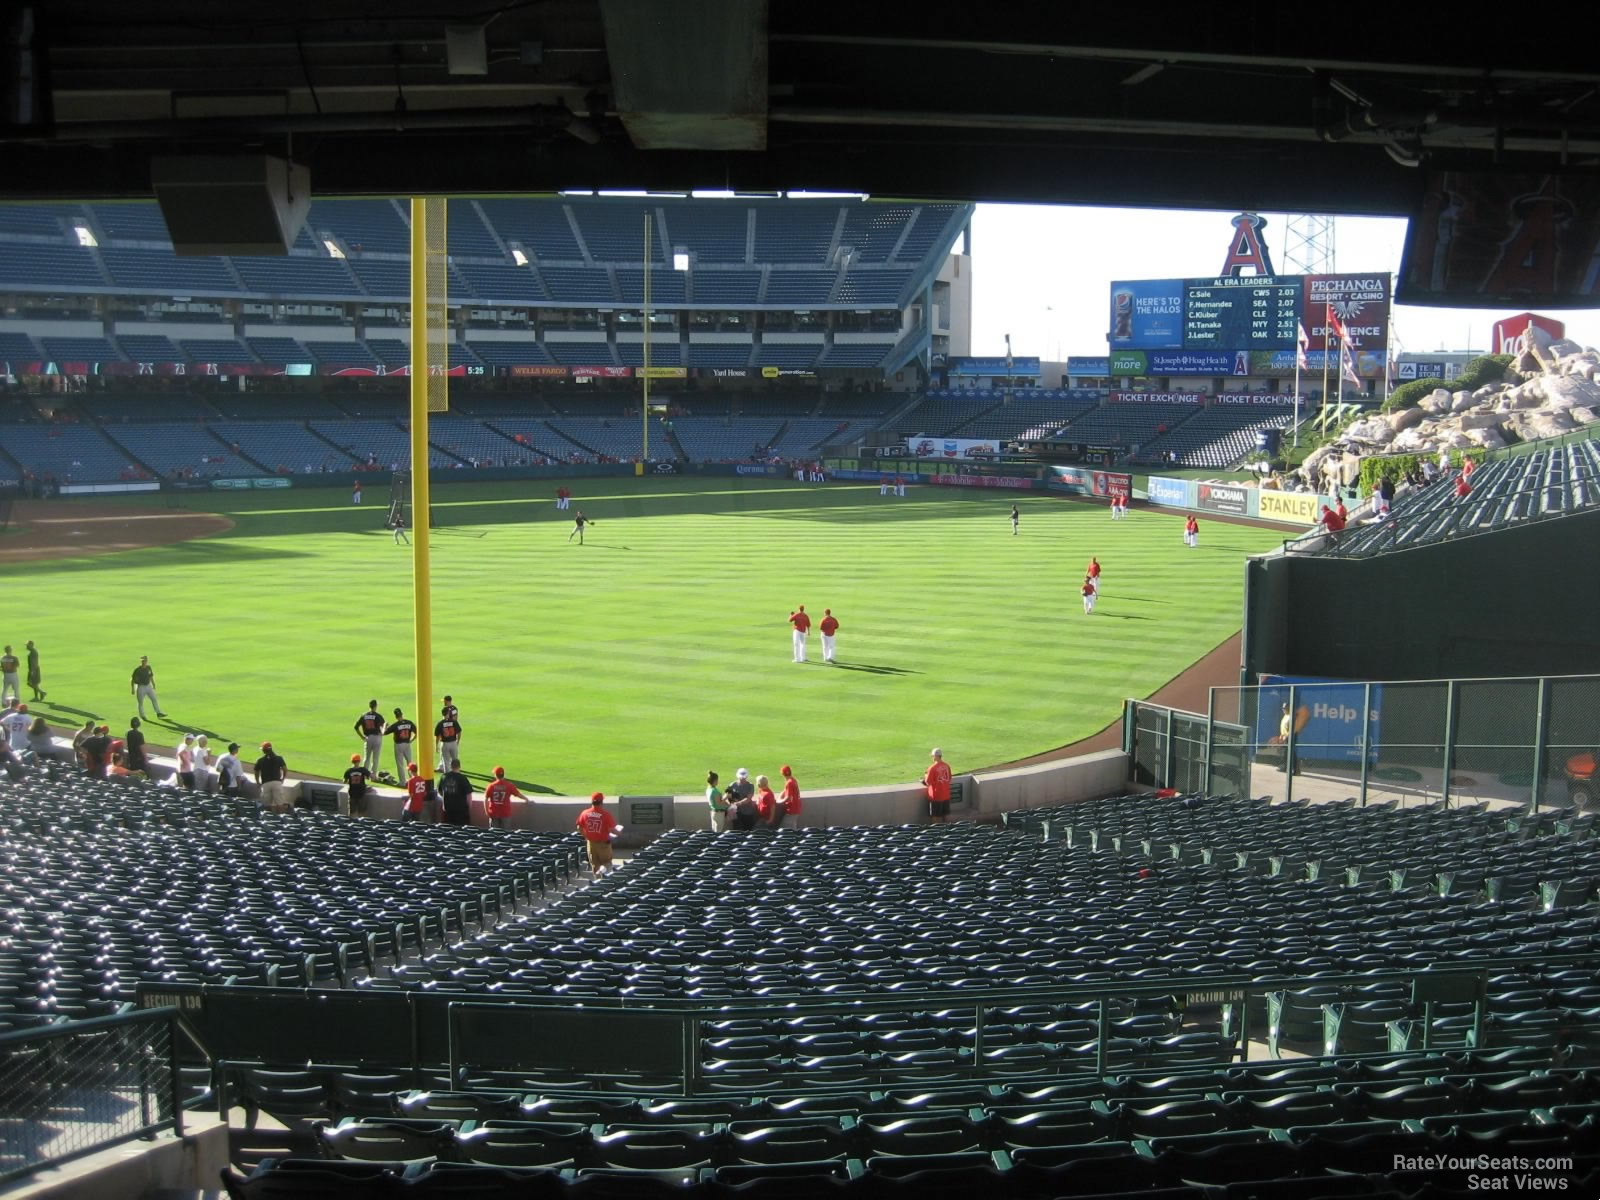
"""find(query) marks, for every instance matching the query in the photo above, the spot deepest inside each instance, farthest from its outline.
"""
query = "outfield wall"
(1520, 598)
(984, 794)
(974, 796)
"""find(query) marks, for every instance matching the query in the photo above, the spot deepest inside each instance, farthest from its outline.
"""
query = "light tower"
(1308, 244)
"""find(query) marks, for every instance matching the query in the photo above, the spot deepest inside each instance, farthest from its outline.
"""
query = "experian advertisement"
(1173, 493)
(1147, 313)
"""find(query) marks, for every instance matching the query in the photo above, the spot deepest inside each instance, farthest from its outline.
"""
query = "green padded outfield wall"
(1520, 601)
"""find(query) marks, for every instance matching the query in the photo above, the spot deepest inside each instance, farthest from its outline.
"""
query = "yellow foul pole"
(645, 408)
(421, 600)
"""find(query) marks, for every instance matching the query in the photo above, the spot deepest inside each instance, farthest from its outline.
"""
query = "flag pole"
(644, 414)
(1388, 358)
(1297, 395)
(1326, 310)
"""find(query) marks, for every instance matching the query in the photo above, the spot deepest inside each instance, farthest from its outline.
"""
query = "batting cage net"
(399, 498)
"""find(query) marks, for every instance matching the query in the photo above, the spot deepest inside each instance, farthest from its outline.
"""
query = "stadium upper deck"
(539, 252)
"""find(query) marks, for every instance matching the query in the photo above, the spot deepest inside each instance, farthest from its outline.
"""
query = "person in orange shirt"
(597, 827)
(802, 625)
(829, 627)
(497, 798)
(936, 780)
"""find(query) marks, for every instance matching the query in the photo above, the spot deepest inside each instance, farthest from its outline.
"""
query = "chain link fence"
(75, 1087)
(1532, 740)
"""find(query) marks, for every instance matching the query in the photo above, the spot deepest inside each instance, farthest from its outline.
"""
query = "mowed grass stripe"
(660, 648)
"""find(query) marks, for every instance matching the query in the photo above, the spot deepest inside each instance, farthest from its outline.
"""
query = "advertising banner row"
(520, 371)
(1294, 508)
(1136, 364)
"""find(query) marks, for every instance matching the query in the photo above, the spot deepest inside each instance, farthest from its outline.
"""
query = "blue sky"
(1043, 274)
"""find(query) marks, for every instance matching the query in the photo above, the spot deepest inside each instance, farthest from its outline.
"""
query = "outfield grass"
(659, 649)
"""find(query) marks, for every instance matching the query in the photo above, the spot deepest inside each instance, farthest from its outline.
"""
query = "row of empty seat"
(108, 884)
(1505, 491)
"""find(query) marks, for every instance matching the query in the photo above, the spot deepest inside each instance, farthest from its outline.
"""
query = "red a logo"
(1246, 249)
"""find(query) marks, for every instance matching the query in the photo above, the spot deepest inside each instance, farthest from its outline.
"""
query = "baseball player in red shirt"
(1090, 593)
(789, 802)
(419, 792)
(597, 827)
(1191, 532)
(829, 627)
(497, 798)
(1094, 570)
(802, 625)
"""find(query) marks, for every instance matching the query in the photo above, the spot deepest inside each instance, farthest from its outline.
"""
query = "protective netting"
(431, 324)
(68, 1090)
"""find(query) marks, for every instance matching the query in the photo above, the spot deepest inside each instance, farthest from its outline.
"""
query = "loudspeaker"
(245, 204)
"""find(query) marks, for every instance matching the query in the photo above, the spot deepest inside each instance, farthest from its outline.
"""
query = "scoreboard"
(1247, 313)
(1241, 313)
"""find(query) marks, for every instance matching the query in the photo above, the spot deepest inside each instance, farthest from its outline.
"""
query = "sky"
(1043, 273)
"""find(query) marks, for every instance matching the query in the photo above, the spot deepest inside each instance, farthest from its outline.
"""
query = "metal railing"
(75, 1087)
(661, 1045)
(1527, 740)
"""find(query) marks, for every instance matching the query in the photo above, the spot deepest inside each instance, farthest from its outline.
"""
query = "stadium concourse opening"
(671, 421)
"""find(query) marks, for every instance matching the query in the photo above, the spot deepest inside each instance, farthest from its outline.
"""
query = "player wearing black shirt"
(455, 789)
(447, 732)
(133, 746)
(144, 685)
(370, 726)
(357, 778)
(404, 733)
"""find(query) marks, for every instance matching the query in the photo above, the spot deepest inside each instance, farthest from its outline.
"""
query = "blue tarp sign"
(1327, 716)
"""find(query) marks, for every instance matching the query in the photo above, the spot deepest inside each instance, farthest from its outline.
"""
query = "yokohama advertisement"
(1222, 497)
(991, 481)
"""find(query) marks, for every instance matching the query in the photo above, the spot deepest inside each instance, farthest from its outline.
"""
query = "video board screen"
(1247, 312)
